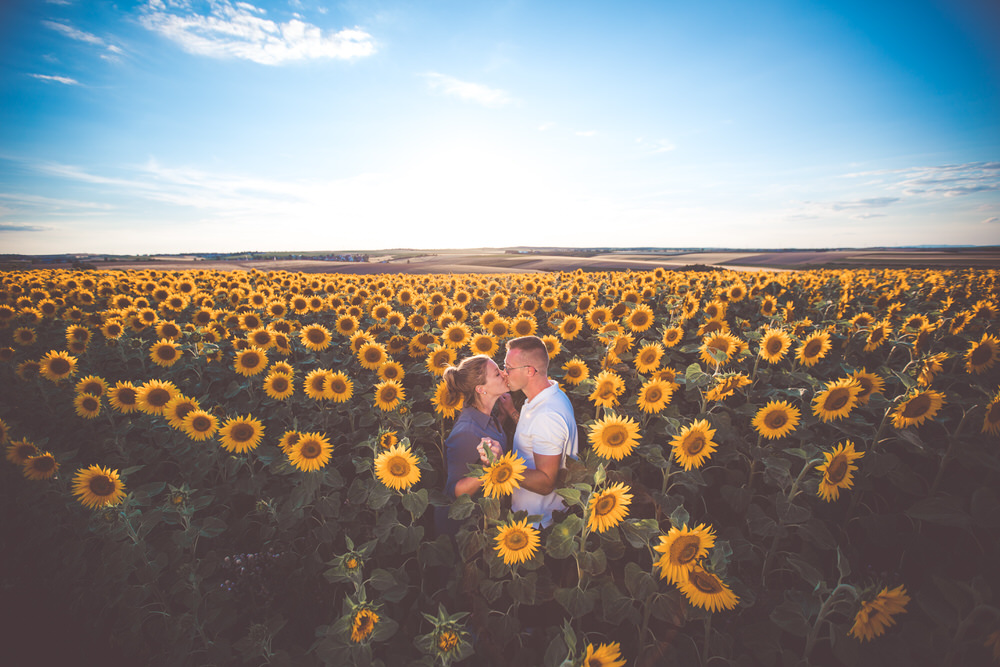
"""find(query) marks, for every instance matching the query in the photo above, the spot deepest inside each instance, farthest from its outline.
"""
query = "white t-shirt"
(547, 426)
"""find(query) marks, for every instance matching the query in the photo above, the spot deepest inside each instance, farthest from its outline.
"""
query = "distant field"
(458, 261)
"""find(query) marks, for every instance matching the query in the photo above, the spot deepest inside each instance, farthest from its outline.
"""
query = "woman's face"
(495, 384)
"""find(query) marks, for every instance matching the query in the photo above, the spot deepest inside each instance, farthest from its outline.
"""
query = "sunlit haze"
(176, 126)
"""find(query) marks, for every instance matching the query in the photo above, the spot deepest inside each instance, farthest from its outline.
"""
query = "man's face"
(516, 370)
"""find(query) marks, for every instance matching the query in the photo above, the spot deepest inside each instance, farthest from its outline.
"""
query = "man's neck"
(536, 388)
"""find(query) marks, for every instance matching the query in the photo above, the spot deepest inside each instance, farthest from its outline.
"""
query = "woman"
(486, 402)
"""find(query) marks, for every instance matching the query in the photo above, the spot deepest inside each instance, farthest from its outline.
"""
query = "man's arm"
(542, 480)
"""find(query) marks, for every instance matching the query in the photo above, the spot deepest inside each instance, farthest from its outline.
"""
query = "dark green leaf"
(415, 502)
(562, 540)
(939, 510)
(576, 602)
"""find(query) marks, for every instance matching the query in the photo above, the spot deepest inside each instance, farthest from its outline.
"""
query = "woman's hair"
(463, 379)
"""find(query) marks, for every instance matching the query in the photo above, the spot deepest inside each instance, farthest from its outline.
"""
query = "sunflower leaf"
(562, 540)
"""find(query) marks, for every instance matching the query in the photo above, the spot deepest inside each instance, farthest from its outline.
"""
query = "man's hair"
(534, 347)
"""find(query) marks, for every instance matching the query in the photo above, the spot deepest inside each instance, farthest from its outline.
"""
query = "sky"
(182, 126)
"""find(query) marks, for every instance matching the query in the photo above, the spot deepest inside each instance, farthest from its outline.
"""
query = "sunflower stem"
(706, 645)
(949, 453)
(824, 611)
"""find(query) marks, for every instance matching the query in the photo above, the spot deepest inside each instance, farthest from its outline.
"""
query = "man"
(546, 428)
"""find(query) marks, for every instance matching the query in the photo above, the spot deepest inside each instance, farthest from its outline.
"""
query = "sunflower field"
(227, 468)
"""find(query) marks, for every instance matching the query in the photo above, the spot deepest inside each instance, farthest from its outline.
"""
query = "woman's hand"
(495, 449)
(507, 406)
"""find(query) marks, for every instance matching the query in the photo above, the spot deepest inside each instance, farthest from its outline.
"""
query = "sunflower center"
(773, 346)
(648, 357)
(980, 355)
(684, 549)
(310, 450)
(166, 352)
(201, 423)
(318, 382)
(43, 464)
(126, 396)
(705, 583)
(280, 383)
(242, 432)
(694, 443)
(812, 349)
(158, 397)
(615, 435)
(639, 318)
(250, 360)
(516, 540)
(569, 326)
(605, 505)
(388, 394)
(372, 355)
(993, 414)
(102, 485)
(653, 395)
(398, 466)
(837, 469)
(776, 419)
(917, 406)
(837, 399)
(502, 473)
(60, 366)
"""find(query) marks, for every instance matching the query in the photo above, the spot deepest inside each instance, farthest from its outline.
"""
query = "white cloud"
(239, 30)
(586, 133)
(950, 180)
(991, 221)
(58, 79)
(470, 92)
(113, 52)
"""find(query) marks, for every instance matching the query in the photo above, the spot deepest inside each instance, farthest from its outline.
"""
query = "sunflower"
(250, 361)
(93, 385)
(598, 316)
(262, 338)
(41, 466)
(878, 335)
(726, 386)
(484, 344)
(279, 386)
(397, 468)
(991, 420)
(917, 408)
(608, 507)
(503, 476)
(339, 387)
(391, 370)
(516, 542)
(706, 590)
(87, 406)
(4, 432)
(982, 355)
(837, 400)
(168, 329)
(445, 402)
(311, 451)
(152, 397)
(241, 434)
(570, 327)
(682, 548)
(776, 419)
(439, 358)
(774, 344)
(363, 624)
(387, 439)
(614, 437)
(693, 445)
(575, 371)
(647, 359)
(605, 655)
(932, 365)
(838, 470)
(608, 386)
(56, 366)
(876, 615)
(199, 424)
(813, 348)
(25, 336)
(718, 348)
(317, 384)
(97, 487)
(19, 451)
(871, 383)
(346, 325)
(654, 395)
(124, 397)
(372, 355)
(165, 353)
(640, 318)
(456, 335)
(672, 336)
(388, 394)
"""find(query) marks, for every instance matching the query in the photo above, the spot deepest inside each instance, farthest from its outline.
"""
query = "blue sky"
(186, 126)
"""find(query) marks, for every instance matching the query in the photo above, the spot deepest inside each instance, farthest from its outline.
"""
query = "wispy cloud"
(112, 52)
(240, 30)
(57, 79)
(950, 180)
(991, 221)
(22, 228)
(465, 90)
(871, 202)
